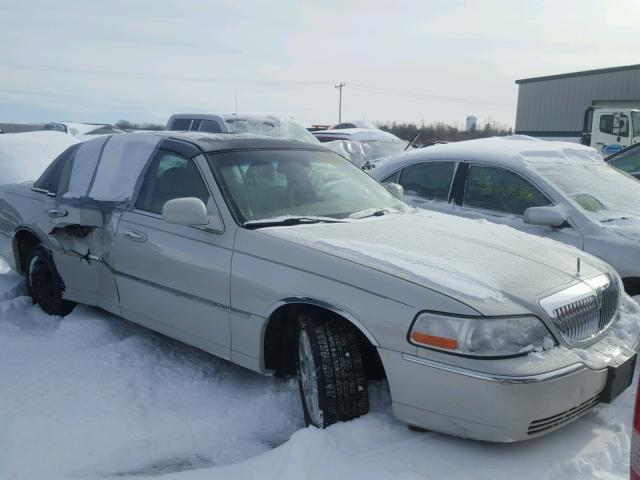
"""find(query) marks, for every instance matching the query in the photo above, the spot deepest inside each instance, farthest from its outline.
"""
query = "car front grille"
(543, 424)
(583, 316)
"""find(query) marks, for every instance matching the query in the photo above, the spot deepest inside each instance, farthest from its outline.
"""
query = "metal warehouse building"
(554, 106)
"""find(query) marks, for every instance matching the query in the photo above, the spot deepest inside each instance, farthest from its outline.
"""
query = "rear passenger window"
(170, 176)
(210, 126)
(501, 190)
(429, 180)
(181, 124)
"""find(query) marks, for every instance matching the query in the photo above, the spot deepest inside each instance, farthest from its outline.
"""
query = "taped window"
(107, 169)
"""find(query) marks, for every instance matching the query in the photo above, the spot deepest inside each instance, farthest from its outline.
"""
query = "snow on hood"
(24, 156)
(471, 259)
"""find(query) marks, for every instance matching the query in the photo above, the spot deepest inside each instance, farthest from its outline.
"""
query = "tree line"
(440, 131)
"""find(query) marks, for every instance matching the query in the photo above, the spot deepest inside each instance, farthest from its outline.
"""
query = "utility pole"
(340, 86)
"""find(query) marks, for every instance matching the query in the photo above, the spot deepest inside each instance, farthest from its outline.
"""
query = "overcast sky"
(143, 60)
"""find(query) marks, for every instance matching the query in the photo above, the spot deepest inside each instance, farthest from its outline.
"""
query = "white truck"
(609, 130)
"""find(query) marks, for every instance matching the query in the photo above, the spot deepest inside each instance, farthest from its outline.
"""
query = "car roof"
(211, 142)
(513, 151)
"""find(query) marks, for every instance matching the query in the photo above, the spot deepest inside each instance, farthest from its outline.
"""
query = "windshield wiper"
(288, 221)
(369, 212)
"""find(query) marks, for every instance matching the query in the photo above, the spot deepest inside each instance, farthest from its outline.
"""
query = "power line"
(426, 96)
(158, 76)
(234, 81)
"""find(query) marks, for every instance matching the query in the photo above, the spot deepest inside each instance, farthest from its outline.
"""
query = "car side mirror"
(185, 211)
(396, 189)
(545, 216)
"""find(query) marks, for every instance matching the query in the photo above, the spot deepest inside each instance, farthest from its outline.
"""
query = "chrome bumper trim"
(504, 379)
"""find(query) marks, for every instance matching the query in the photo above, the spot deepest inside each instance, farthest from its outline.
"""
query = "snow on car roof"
(358, 134)
(512, 151)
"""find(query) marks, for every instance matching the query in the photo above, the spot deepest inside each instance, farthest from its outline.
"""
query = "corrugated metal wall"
(558, 105)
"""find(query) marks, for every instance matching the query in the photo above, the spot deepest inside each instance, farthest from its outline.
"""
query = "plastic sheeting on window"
(107, 169)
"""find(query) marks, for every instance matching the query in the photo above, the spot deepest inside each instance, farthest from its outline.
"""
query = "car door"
(501, 196)
(426, 184)
(78, 232)
(174, 278)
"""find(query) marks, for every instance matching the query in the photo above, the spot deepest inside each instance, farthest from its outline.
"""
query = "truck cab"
(609, 130)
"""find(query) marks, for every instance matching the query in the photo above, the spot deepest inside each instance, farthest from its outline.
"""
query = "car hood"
(489, 267)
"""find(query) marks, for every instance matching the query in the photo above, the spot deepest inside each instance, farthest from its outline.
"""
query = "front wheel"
(44, 283)
(331, 373)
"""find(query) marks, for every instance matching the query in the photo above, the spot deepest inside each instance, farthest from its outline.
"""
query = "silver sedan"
(289, 260)
(557, 190)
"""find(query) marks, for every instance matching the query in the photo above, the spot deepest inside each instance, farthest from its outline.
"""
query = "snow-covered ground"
(93, 396)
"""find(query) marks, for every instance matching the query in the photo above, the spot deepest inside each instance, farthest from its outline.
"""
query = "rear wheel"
(44, 283)
(331, 375)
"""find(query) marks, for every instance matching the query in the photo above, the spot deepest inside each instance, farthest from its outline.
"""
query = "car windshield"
(635, 118)
(383, 148)
(271, 184)
(600, 191)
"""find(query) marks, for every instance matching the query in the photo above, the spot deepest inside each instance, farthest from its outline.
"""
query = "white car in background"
(363, 146)
(269, 125)
(558, 190)
(83, 131)
(23, 156)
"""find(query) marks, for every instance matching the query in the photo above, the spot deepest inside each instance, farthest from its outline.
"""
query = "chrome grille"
(543, 424)
(584, 310)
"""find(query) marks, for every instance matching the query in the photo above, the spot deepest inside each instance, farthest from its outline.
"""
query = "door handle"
(135, 236)
(57, 213)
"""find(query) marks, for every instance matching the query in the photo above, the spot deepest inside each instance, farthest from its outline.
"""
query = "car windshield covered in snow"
(600, 191)
(266, 184)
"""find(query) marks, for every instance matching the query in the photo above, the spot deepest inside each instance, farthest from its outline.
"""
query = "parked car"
(288, 259)
(83, 131)
(23, 156)
(278, 126)
(627, 160)
(377, 144)
(562, 191)
(353, 124)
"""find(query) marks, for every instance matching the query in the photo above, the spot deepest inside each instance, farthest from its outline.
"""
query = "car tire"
(44, 283)
(331, 374)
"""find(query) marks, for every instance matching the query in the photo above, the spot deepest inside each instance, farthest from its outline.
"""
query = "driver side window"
(170, 176)
(500, 190)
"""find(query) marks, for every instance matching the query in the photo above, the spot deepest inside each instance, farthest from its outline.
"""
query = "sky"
(429, 60)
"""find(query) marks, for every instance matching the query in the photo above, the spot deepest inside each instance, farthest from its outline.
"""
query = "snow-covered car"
(23, 156)
(627, 160)
(557, 190)
(277, 126)
(376, 145)
(83, 131)
(288, 259)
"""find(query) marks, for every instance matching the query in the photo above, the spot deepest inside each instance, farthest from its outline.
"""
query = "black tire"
(340, 383)
(44, 284)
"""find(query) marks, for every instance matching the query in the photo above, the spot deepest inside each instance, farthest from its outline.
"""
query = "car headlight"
(480, 336)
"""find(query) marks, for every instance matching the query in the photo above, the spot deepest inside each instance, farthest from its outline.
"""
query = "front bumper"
(482, 406)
